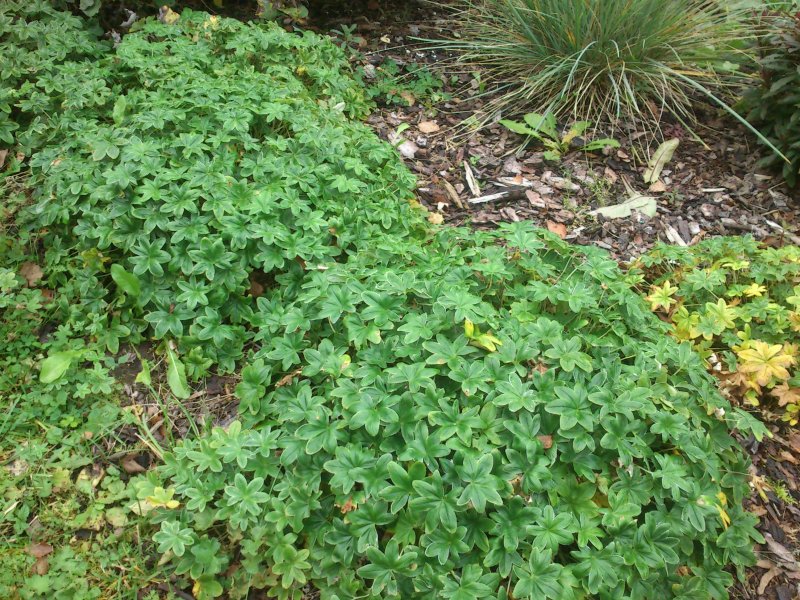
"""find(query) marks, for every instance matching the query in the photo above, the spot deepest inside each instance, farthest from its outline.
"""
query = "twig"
(513, 194)
(453, 194)
(792, 238)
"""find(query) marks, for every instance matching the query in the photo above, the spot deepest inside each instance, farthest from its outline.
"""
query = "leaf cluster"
(484, 414)
(220, 161)
(544, 128)
(738, 303)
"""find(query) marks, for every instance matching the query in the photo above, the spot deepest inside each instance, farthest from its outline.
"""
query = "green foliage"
(774, 105)
(218, 161)
(421, 414)
(44, 68)
(601, 60)
(65, 513)
(544, 128)
(739, 304)
(460, 419)
(403, 84)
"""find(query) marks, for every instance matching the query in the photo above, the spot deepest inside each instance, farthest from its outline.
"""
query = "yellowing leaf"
(469, 328)
(754, 290)
(482, 340)
(765, 362)
(487, 341)
(168, 16)
(162, 497)
(662, 296)
(722, 313)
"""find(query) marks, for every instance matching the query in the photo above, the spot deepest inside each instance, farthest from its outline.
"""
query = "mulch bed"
(710, 188)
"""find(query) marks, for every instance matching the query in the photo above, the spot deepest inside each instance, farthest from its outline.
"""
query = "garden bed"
(713, 187)
(356, 290)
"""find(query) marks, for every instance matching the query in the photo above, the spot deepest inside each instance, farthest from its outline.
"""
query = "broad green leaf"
(55, 366)
(176, 375)
(127, 282)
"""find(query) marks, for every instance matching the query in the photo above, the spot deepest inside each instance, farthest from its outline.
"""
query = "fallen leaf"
(348, 506)
(558, 228)
(41, 566)
(785, 394)
(547, 441)
(657, 188)
(408, 149)
(39, 549)
(471, 181)
(3, 154)
(424, 127)
(130, 465)
(287, 379)
(611, 175)
(643, 204)
(435, 218)
(168, 16)
(256, 289)
(673, 235)
(31, 272)
(765, 580)
(408, 97)
(659, 160)
(780, 552)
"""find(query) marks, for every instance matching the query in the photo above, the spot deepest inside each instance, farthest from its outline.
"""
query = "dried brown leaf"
(428, 127)
(31, 272)
(39, 549)
(558, 228)
(131, 465)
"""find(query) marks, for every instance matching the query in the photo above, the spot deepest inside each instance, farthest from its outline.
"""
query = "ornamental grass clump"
(602, 60)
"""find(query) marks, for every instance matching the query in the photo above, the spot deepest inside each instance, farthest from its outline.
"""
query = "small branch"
(513, 194)
(792, 238)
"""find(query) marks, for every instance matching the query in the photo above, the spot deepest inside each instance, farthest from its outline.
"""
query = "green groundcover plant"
(220, 156)
(738, 303)
(46, 53)
(432, 414)
(464, 420)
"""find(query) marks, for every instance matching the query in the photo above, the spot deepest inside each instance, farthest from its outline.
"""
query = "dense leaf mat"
(422, 413)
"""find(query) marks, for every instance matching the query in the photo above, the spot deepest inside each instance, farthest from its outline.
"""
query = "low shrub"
(464, 420)
(600, 60)
(774, 105)
(219, 157)
(738, 303)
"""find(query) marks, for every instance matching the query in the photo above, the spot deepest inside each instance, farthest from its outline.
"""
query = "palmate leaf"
(481, 486)
(539, 578)
(384, 567)
(766, 363)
